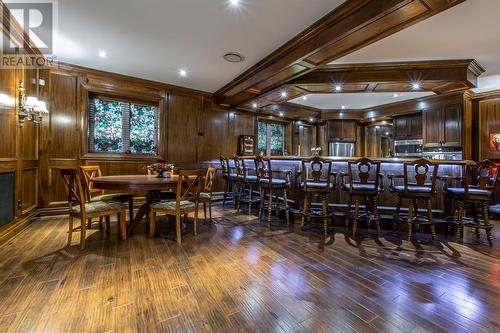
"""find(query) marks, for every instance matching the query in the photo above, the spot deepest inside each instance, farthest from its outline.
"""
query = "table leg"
(151, 197)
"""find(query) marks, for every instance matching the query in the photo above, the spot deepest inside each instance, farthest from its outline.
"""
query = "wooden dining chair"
(80, 208)
(187, 201)
(93, 194)
(206, 195)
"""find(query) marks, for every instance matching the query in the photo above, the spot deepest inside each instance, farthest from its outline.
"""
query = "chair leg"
(431, 220)
(107, 218)
(100, 222)
(240, 189)
(325, 216)
(226, 189)
(305, 210)
(398, 211)
(83, 234)
(486, 219)
(70, 231)
(205, 210)
(123, 225)
(131, 208)
(376, 215)
(195, 225)
(261, 204)
(270, 207)
(210, 210)
(285, 203)
(356, 217)
(461, 213)
(250, 200)
(410, 218)
(152, 222)
(178, 228)
(89, 224)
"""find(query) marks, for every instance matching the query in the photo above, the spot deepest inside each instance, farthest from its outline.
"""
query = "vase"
(165, 174)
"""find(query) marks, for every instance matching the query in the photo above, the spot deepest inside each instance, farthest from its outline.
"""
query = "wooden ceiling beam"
(349, 27)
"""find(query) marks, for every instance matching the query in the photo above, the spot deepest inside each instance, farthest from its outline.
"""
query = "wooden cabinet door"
(349, 130)
(432, 128)
(415, 126)
(452, 126)
(335, 130)
(401, 128)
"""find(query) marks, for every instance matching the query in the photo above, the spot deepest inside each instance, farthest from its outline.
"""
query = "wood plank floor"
(239, 276)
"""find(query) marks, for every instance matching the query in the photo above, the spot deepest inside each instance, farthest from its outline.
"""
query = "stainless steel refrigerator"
(341, 149)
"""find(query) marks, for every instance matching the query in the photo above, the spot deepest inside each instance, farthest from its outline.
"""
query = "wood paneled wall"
(489, 122)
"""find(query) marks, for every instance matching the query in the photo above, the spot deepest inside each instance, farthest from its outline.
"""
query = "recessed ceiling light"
(343, 107)
(416, 85)
(338, 87)
(341, 114)
(386, 133)
(299, 122)
(282, 114)
(102, 54)
(234, 2)
(304, 98)
(254, 105)
(233, 57)
(284, 94)
(377, 127)
(395, 95)
(384, 122)
(311, 120)
(373, 120)
(182, 72)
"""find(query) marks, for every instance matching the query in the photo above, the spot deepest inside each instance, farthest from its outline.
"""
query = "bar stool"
(231, 179)
(318, 180)
(267, 182)
(364, 182)
(478, 189)
(245, 182)
(419, 184)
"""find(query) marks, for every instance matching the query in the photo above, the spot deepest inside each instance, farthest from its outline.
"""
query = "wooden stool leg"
(410, 217)
(461, 213)
(152, 222)
(398, 211)
(122, 220)
(70, 231)
(486, 219)
(250, 200)
(205, 210)
(270, 207)
(83, 234)
(210, 210)
(356, 217)
(306, 209)
(89, 224)
(325, 216)
(285, 203)
(240, 188)
(226, 189)
(195, 225)
(178, 228)
(375, 214)
(431, 220)
(107, 218)
(261, 202)
(130, 208)
(100, 223)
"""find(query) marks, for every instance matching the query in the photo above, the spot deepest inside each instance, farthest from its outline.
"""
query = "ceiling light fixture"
(343, 107)
(284, 94)
(233, 57)
(304, 98)
(102, 54)
(373, 120)
(234, 3)
(254, 105)
(311, 120)
(338, 87)
(282, 114)
(341, 114)
(396, 95)
(415, 85)
(182, 73)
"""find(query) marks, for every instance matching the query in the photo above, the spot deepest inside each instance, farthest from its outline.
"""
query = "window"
(122, 127)
(271, 138)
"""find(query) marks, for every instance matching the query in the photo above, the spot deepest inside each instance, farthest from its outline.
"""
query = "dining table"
(154, 186)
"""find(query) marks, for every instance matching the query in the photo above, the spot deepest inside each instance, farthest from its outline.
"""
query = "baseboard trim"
(16, 227)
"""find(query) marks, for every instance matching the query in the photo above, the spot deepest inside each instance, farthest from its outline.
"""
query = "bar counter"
(389, 166)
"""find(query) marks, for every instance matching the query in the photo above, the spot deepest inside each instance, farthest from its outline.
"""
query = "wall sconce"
(30, 107)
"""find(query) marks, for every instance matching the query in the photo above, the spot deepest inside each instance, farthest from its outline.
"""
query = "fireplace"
(7, 210)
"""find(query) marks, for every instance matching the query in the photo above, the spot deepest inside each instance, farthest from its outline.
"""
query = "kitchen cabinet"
(408, 127)
(443, 126)
(342, 130)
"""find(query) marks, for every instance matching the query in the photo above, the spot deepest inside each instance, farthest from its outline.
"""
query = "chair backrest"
(421, 172)
(239, 164)
(194, 181)
(483, 174)
(210, 180)
(89, 172)
(263, 168)
(364, 171)
(317, 170)
(76, 193)
(224, 164)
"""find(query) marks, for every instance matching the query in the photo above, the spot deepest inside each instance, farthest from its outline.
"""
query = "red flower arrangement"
(161, 167)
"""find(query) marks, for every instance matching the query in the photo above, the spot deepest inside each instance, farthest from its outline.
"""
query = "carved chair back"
(422, 173)
(317, 170)
(364, 171)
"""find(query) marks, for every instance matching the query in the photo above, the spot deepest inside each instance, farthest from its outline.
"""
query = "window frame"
(126, 113)
(268, 136)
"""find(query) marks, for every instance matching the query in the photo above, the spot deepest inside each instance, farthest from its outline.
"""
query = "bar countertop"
(346, 159)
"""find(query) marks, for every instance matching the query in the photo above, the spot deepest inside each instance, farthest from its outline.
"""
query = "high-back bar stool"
(268, 182)
(419, 184)
(231, 179)
(317, 180)
(246, 181)
(364, 182)
(478, 190)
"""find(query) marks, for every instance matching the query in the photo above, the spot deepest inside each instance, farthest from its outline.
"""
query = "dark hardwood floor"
(239, 276)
